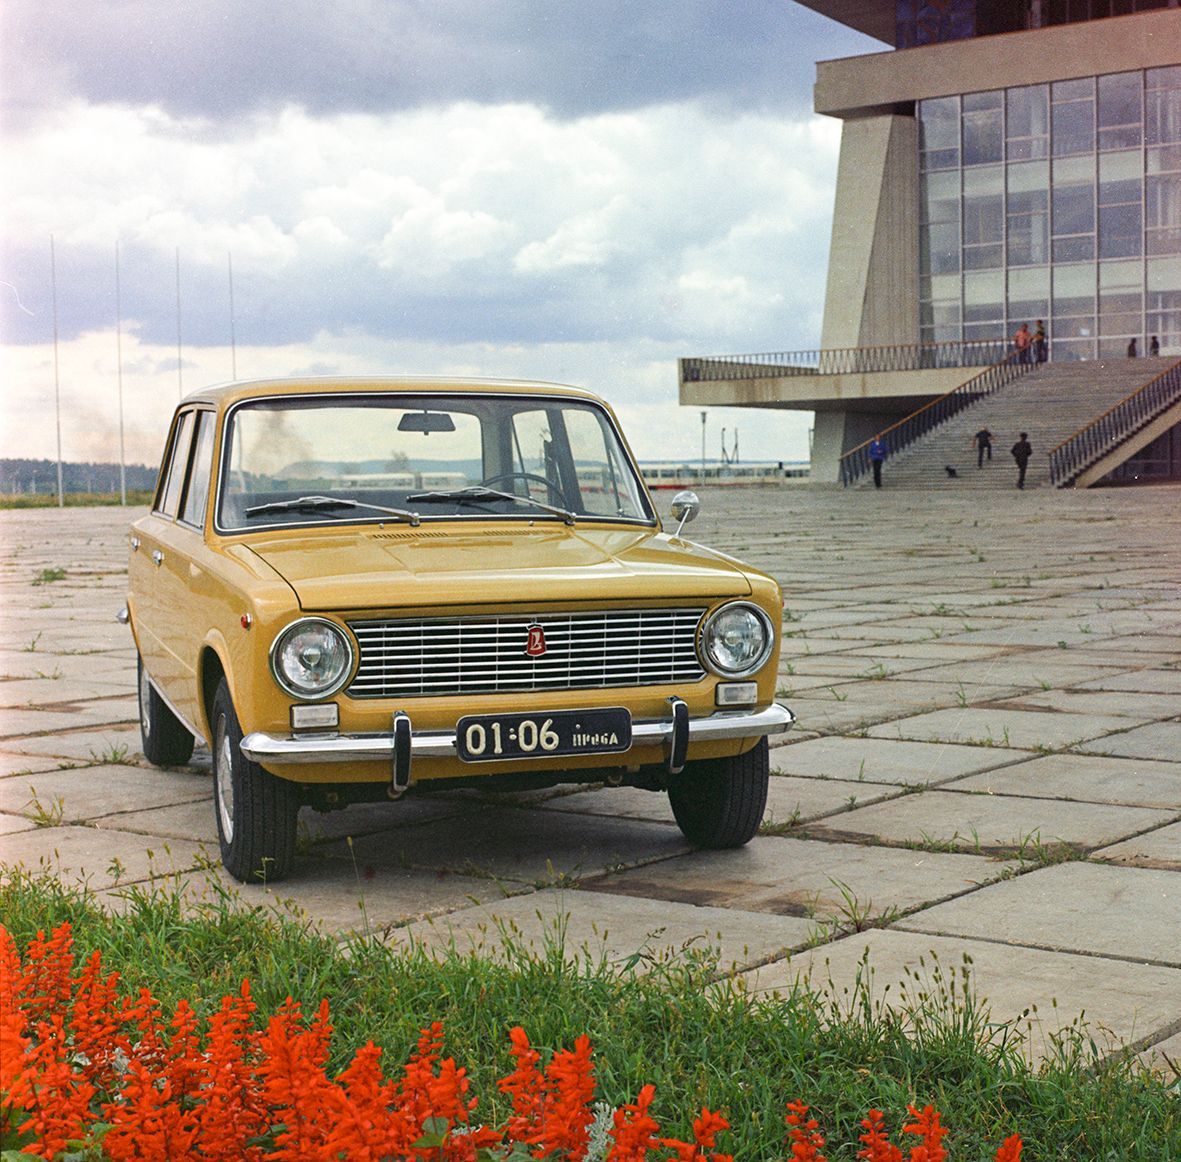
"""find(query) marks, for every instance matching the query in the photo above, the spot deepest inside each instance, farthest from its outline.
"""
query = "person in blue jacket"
(877, 456)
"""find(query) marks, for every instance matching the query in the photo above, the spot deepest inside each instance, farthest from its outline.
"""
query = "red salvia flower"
(803, 1134)
(569, 1089)
(878, 1147)
(705, 1131)
(633, 1128)
(926, 1123)
(55, 1099)
(1010, 1149)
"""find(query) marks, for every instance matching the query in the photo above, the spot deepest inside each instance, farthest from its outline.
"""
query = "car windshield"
(331, 458)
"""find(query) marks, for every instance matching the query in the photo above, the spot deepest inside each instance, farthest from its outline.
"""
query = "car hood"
(431, 567)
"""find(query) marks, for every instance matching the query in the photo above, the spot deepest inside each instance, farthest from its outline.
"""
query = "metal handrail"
(1104, 433)
(856, 462)
(845, 360)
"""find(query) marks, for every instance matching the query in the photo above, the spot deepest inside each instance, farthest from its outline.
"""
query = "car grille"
(583, 651)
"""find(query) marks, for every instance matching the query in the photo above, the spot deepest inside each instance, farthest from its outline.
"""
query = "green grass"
(673, 1022)
(74, 499)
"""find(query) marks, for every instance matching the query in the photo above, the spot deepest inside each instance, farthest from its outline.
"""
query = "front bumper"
(345, 748)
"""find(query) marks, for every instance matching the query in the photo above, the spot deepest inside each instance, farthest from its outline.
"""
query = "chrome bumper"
(353, 748)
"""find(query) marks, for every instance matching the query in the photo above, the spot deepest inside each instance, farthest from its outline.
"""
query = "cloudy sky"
(578, 192)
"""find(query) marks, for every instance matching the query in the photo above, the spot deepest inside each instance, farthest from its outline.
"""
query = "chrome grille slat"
(630, 647)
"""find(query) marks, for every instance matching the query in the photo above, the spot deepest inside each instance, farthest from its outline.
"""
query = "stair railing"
(856, 463)
(1078, 452)
(844, 360)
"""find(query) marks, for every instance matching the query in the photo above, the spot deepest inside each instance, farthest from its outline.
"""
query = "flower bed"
(89, 1072)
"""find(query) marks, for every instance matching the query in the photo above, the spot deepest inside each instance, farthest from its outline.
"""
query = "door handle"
(158, 557)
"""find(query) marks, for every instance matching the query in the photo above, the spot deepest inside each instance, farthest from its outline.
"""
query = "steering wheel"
(550, 486)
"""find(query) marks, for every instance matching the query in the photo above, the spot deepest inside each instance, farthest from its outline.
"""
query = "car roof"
(224, 394)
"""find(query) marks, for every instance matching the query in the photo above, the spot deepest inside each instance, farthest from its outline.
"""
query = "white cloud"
(462, 239)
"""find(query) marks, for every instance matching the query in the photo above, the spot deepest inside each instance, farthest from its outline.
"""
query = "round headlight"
(737, 640)
(311, 658)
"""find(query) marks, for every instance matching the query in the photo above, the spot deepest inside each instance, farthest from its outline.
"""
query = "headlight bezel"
(283, 680)
(710, 623)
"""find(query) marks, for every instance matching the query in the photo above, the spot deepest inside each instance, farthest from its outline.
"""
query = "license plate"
(481, 738)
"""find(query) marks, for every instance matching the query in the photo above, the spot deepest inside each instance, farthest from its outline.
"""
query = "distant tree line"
(25, 477)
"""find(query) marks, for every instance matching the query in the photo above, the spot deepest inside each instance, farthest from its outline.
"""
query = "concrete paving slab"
(595, 927)
(88, 857)
(1157, 740)
(1086, 778)
(794, 877)
(1131, 704)
(528, 846)
(86, 746)
(9, 824)
(1160, 848)
(22, 764)
(1142, 681)
(1041, 993)
(192, 819)
(53, 689)
(1034, 670)
(1008, 728)
(991, 823)
(1124, 913)
(92, 792)
(889, 760)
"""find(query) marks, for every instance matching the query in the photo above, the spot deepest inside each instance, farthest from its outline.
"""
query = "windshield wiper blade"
(480, 492)
(327, 504)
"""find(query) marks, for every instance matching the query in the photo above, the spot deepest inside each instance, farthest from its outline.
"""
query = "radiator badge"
(535, 645)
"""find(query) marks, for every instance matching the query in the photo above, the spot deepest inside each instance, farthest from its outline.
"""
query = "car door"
(170, 542)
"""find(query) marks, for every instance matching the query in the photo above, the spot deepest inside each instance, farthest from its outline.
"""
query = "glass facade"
(1059, 202)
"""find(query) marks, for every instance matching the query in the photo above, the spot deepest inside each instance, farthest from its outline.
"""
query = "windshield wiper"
(481, 492)
(327, 504)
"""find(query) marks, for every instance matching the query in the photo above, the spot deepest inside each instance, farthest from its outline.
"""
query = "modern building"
(1008, 161)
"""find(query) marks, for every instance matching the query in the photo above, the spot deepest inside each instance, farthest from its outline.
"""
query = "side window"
(533, 458)
(174, 466)
(605, 486)
(197, 496)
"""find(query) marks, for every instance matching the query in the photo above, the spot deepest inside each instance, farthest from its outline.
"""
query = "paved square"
(984, 687)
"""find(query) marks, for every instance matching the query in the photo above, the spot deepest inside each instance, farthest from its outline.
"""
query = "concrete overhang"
(858, 86)
(891, 390)
(876, 18)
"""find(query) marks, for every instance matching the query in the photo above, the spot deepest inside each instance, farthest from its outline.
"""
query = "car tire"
(719, 803)
(166, 740)
(256, 811)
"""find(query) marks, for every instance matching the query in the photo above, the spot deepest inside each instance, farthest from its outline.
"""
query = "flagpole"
(180, 391)
(233, 341)
(57, 392)
(119, 365)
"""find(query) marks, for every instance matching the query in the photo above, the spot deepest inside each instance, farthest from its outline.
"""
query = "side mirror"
(686, 506)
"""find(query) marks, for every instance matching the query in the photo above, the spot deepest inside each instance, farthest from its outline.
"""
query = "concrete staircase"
(1051, 402)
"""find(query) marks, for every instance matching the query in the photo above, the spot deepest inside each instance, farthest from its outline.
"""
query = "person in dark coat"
(1022, 450)
(983, 441)
(877, 457)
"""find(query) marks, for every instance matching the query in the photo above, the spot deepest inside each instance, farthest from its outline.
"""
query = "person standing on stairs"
(1132, 349)
(1022, 450)
(1154, 347)
(1021, 341)
(877, 456)
(1039, 342)
(983, 441)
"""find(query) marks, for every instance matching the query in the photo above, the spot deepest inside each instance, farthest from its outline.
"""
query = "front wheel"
(166, 740)
(256, 811)
(719, 803)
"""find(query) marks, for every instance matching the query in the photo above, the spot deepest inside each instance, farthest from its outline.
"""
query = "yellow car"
(354, 589)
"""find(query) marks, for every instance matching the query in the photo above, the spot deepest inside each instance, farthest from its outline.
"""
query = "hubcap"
(145, 706)
(223, 762)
